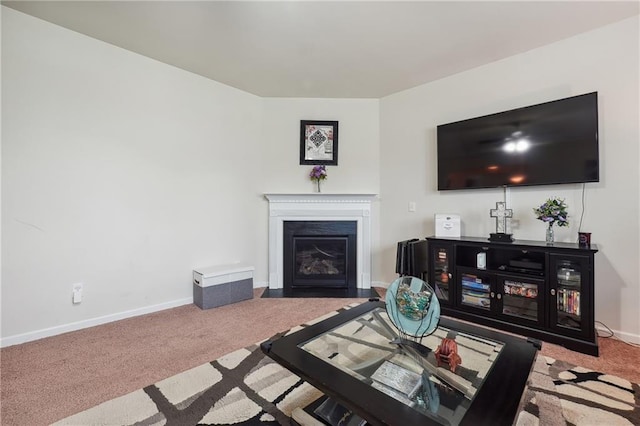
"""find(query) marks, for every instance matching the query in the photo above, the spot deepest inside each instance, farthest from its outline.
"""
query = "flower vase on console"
(549, 237)
(553, 211)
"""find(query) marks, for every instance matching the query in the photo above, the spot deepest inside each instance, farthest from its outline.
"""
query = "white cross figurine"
(501, 213)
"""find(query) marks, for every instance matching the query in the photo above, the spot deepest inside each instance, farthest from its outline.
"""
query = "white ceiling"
(361, 49)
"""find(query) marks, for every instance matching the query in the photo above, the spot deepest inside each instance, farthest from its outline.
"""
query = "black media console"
(540, 290)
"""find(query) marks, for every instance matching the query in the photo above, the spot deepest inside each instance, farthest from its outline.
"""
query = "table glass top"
(364, 349)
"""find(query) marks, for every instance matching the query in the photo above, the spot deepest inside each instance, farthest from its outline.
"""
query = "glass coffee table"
(369, 379)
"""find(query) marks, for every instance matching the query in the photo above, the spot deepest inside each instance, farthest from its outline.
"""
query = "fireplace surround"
(319, 207)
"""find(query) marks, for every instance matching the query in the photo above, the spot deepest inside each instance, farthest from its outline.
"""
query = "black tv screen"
(550, 143)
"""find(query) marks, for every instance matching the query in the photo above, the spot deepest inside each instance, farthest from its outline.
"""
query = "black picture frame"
(319, 142)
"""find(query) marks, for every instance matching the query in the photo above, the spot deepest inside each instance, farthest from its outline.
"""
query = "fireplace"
(320, 207)
(319, 255)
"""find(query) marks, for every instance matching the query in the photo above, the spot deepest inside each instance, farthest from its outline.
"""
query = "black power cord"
(582, 211)
(611, 334)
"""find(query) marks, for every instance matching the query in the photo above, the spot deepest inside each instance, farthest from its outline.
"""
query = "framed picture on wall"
(319, 142)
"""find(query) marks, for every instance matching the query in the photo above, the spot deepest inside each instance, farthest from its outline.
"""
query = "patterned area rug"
(247, 388)
(559, 393)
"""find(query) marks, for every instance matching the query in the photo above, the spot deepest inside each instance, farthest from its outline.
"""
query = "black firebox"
(320, 255)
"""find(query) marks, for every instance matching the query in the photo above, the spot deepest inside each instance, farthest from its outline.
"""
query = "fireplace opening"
(319, 255)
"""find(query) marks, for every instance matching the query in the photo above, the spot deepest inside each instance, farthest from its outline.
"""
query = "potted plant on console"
(554, 210)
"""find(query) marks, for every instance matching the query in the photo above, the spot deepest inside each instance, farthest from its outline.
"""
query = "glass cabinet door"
(568, 293)
(441, 270)
(521, 299)
(570, 299)
(476, 291)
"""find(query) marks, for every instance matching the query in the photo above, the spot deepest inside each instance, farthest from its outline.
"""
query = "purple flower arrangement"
(554, 210)
(318, 173)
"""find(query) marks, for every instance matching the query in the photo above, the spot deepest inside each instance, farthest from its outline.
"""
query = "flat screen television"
(550, 143)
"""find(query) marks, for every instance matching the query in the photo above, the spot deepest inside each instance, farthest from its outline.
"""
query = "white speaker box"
(447, 225)
(481, 261)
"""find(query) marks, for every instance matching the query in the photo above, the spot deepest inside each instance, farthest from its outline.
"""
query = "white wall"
(358, 169)
(118, 172)
(605, 60)
(1, 12)
(124, 174)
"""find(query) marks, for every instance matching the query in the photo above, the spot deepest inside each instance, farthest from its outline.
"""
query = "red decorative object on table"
(447, 353)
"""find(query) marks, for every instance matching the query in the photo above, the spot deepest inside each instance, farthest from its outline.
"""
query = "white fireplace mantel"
(318, 207)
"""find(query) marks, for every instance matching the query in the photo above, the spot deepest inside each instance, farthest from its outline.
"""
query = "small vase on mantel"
(550, 237)
(318, 173)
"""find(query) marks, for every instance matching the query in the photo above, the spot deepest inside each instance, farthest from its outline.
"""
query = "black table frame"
(496, 402)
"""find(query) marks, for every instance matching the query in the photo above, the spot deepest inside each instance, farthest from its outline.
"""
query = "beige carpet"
(50, 379)
(245, 387)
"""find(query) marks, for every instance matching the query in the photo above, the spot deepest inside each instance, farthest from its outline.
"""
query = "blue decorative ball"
(413, 306)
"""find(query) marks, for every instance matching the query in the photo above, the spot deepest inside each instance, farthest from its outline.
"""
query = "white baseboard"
(79, 325)
(65, 328)
(620, 335)
(382, 284)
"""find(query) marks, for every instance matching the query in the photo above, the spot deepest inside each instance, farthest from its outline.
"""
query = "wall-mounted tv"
(550, 143)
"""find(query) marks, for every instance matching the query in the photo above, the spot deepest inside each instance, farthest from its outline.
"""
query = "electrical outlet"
(412, 206)
(77, 293)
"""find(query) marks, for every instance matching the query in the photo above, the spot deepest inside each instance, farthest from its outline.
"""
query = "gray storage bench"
(221, 285)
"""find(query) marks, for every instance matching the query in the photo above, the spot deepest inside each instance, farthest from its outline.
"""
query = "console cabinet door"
(520, 299)
(441, 267)
(476, 291)
(571, 295)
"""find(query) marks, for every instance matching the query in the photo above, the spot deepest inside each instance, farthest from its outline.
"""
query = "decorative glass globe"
(413, 307)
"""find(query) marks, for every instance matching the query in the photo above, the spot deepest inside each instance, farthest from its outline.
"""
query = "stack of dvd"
(475, 292)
